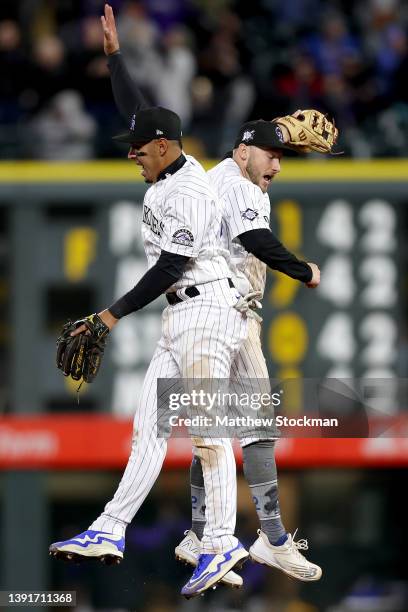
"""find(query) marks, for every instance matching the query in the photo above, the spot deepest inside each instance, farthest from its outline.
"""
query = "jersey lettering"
(149, 219)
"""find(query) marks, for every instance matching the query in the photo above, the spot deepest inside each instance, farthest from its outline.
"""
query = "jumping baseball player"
(241, 181)
(201, 333)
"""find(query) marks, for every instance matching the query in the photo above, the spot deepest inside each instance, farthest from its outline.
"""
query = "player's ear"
(163, 146)
(243, 151)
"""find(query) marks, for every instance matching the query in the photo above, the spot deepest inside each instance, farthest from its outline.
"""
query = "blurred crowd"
(216, 62)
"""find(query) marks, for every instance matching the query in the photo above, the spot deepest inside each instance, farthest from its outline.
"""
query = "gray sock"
(197, 498)
(261, 475)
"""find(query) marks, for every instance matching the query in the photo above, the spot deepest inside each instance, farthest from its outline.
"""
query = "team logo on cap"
(184, 237)
(249, 214)
(248, 135)
(132, 122)
(159, 133)
(279, 134)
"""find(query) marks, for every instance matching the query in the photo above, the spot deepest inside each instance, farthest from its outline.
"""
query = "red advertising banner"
(102, 441)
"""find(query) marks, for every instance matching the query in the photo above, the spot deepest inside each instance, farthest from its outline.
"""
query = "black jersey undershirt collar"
(172, 168)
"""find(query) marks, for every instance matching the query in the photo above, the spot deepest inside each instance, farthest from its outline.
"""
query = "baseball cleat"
(211, 568)
(286, 557)
(105, 547)
(188, 552)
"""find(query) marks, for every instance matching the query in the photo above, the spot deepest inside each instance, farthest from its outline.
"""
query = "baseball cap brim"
(130, 138)
(271, 145)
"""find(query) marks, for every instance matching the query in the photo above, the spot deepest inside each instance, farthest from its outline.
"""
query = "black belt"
(190, 292)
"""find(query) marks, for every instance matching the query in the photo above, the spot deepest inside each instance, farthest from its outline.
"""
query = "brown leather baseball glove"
(308, 130)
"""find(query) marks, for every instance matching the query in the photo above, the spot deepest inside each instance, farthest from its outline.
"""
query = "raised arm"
(128, 97)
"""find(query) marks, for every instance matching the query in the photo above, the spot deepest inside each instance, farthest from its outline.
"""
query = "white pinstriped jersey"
(200, 339)
(245, 207)
(181, 214)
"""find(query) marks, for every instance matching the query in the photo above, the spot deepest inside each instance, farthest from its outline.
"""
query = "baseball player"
(201, 333)
(241, 182)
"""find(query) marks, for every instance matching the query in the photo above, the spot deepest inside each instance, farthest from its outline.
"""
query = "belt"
(190, 292)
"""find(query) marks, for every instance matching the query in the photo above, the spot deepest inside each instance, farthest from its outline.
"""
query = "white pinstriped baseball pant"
(200, 339)
(250, 372)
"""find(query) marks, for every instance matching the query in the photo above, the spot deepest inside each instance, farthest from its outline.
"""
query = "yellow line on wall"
(124, 171)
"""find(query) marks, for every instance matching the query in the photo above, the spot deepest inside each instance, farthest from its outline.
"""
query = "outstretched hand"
(315, 280)
(110, 35)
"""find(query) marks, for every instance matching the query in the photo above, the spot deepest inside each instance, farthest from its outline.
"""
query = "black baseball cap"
(260, 133)
(151, 123)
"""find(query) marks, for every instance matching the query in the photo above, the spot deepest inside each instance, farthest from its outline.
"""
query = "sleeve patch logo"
(249, 214)
(184, 237)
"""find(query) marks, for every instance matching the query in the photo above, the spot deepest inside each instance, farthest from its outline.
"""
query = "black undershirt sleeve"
(167, 270)
(265, 246)
(128, 97)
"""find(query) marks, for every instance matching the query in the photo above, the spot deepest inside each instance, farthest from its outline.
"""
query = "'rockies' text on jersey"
(245, 208)
(182, 215)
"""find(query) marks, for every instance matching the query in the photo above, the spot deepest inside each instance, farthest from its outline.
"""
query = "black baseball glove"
(80, 356)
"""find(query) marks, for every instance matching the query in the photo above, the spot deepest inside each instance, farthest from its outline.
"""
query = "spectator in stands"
(331, 44)
(139, 38)
(48, 73)
(13, 66)
(63, 130)
(171, 13)
(176, 67)
(385, 42)
(91, 70)
(292, 17)
(301, 85)
(400, 89)
(232, 91)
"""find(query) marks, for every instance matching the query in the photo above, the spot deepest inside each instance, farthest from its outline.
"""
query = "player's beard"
(255, 175)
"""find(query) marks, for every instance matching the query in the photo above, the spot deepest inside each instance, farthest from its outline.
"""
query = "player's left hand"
(315, 280)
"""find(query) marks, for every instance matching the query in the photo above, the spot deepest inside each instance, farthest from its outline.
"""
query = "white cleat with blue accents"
(286, 557)
(105, 547)
(188, 552)
(211, 568)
